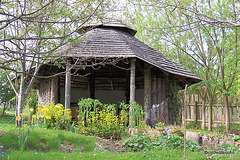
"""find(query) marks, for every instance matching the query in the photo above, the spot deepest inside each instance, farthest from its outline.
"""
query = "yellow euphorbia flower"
(18, 118)
(48, 117)
(34, 116)
(31, 109)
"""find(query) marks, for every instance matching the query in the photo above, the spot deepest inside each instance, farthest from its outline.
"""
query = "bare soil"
(110, 145)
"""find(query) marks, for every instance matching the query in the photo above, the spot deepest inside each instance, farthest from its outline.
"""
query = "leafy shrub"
(236, 138)
(102, 120)
(53, 116)
(145, 142)
(227, 148)
(137, 143)
(103, 124)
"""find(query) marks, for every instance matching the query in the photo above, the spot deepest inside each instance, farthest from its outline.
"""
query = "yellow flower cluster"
(31, 110)
(19, 117)
(53, 114)
(103, 123)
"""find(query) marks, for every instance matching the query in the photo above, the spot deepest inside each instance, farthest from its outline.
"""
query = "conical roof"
(105, 23)
(115, 39)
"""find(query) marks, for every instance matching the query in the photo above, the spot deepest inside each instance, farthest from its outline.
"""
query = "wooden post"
(184, 115)
(68, 85)
(235, 113)
(132, 89)
(54, 90)
(215, 115)
(230, 113)
(59, 89)
(127, 90)
(92, 84)
(234, 109)
(239, 113)
(147, 93)
(220, 113)
(195, 112)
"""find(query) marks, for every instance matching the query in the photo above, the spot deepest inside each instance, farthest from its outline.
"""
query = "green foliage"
(236, 138)
(162, 142)
(6, 92)
(32, 100)
(174, 102)
(86, 105)
(42, 27)
(209, 50)
(227, 148)
(194, 125)
(159, 126)
(103, 123)
(52, 116)
(102, 120)
(138, 113)
(137, 143)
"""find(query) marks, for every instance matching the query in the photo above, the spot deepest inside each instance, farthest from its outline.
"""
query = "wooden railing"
(194, 111)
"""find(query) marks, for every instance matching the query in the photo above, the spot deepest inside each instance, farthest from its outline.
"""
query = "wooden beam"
(68, 85)
(132, 88)
(147, 92)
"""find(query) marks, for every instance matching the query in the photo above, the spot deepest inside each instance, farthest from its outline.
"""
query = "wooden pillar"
(147, 93)
(68, 85)
(59, 90)
(127, 90)
(54, 90)
(92, 84)
(132, 88)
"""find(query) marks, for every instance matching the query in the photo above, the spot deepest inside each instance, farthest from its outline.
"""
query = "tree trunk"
(210, 114)
(227, 114)
(4, 108)
(20, 99)
(68, 85)
(203, 108)
(203, 114)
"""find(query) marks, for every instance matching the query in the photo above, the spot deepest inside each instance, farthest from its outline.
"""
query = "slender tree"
(201, 35)
(31, 32)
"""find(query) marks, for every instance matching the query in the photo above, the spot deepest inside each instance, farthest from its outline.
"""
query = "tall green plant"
(200, 35)
(86, 106)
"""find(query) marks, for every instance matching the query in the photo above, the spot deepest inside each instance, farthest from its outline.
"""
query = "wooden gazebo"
(110, 64)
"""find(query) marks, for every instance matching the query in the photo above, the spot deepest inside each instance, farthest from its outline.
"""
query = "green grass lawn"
(46, 144)
(153, 155)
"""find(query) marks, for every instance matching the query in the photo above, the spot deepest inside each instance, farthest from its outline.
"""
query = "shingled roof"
(112, 38)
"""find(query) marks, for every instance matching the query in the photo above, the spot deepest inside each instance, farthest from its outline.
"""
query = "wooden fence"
(194, 110)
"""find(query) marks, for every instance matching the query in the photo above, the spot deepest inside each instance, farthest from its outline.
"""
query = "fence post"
(195, 114)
